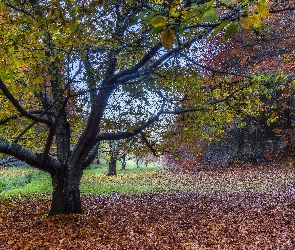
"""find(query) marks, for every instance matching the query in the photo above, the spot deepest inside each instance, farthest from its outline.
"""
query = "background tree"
(266, 108)
(75, 73)
(118, 151)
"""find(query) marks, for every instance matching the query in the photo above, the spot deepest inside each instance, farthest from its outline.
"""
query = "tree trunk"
(66, 178)
(66, 193)
(123, 160)
(112, 166)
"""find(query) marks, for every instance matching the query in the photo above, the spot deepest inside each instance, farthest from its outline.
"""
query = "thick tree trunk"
(66, 193)
(112, 166)
(66, 178)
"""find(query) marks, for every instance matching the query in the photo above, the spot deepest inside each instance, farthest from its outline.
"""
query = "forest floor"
(234, 208)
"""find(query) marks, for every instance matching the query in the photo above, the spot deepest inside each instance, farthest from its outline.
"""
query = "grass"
(18, 182)
(25, 181)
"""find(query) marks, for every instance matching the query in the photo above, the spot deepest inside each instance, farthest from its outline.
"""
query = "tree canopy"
(254, 72)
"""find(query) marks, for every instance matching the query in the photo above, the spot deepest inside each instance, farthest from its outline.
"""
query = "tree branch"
(16, 104)
(137, 66)
(24, 131)
(10, 148)
(91, 156)
(136, 131)
(48, 143)
(13, 117)
(18, 9)
(148, 144)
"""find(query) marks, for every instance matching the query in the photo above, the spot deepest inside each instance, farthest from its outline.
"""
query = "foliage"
(253, 73)
(243, 207)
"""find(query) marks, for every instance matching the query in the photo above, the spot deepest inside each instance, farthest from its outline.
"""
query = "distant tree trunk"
(123, 160)
(137, 162)
(146, 163)
(112, 166)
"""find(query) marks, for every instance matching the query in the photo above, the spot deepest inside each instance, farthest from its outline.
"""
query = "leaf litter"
(242, 216)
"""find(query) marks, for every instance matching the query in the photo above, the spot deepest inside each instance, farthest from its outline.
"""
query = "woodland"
(199, 93)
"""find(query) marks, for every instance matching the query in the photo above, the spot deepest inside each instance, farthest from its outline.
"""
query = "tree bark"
(66, 193)
(112, 166)
(66, 178)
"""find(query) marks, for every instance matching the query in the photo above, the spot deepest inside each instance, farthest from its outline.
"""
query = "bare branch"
(136, 131)
(138, 66)
(91, 155)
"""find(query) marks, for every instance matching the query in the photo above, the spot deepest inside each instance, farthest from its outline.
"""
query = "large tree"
(75, 73)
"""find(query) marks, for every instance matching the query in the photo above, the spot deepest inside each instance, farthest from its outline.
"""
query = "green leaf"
(142, 14)
(210, 3)
(227, 2)
(210, 15)
(262, 9)
(167, 38)
(231, 30)
(156, 30)
(149, 17)
(219, 28)
(180, 30)
(159, 21)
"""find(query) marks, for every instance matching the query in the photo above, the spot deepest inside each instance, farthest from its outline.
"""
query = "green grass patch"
(26, 181)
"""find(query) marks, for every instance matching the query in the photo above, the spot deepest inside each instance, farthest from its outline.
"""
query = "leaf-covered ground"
(244, 208)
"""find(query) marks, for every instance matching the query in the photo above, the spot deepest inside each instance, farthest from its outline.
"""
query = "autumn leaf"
(159, 21)
(248, 22)
(168, 38)
(262, 9)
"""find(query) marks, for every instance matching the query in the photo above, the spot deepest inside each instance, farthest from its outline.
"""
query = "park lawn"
(19, 182)
(249, 207)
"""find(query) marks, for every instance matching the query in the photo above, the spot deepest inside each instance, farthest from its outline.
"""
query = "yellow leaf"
(255, 20)
(168, 38)
(262, 9)
(286, 57)
(247, 22)
(244, 23)
(159, 21)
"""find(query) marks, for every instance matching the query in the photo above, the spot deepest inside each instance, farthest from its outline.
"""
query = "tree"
(268, 127)
(118, 151)
(75, 73)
